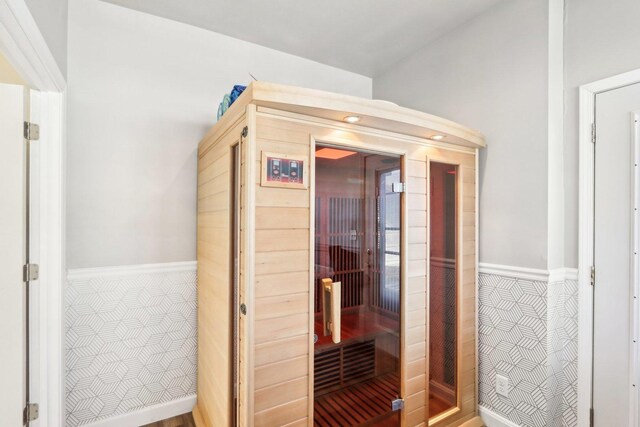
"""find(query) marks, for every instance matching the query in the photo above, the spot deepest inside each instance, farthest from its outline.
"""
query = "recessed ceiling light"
(352, 119)
(437, 137)
(333, 153)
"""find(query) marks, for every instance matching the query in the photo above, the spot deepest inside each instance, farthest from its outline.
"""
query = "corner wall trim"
(130, 270)
(493, 419)
(149, 414)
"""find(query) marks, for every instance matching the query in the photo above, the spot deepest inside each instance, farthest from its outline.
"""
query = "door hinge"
(30, 272)
(593, 132)
(31, 131)
(397, 404)
(245, 131)
(30, 412)
(398, 187)
(593, 275)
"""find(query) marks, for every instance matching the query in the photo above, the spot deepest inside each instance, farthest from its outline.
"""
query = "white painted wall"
(492, 74)
(12, 255)
(51, 17)
(142, 92)
(602, 39)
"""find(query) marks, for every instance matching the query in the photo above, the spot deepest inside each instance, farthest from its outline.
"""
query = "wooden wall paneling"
(277, 218)
(285, 348)
(214, 276)
(282, 255)
(281, 284)
(294, 411)
(415, 328)
(281, 393)
(282, 305)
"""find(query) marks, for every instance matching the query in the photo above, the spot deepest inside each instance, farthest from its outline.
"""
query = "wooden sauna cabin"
(337, 264)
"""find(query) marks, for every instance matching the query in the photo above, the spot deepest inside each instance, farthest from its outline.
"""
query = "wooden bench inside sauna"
(337, 264)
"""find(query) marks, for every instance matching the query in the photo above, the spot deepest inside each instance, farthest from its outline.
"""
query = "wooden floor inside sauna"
(436, 405)
(364, 404)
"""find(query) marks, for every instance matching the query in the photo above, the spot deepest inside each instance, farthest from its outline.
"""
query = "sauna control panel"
(284, 170)
(281, 170)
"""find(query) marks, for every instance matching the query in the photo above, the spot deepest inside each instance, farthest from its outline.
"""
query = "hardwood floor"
(184, 420)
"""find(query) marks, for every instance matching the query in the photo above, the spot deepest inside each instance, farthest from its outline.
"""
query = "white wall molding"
(562, 274)
(149, 414)
(493, 419)
(26, 49)
(130, 270)
(614, 82)
(51, 285)
(515, 272)
(555, 275)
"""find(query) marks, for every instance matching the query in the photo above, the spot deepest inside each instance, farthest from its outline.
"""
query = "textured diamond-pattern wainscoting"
(131, 343)
(569, 338)
(528, 333)
(555, 372)
(512, 342)
(130, 339)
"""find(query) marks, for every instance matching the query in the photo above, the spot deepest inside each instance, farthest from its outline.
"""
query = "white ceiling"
(364, 36)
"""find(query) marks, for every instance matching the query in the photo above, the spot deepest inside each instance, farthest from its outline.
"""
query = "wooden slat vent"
(341, 366)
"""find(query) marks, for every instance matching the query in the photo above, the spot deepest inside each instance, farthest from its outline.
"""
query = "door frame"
(586, 198)
(24, 46)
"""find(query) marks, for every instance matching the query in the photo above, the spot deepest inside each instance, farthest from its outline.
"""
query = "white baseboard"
(492, 419)
(150, 414)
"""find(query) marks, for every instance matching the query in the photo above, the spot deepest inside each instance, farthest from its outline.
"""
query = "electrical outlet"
(502, 385)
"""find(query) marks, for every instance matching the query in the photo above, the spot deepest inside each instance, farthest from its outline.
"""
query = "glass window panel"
(443, 288)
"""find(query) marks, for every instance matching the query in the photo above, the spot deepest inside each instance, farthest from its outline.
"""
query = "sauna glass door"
(357, 288)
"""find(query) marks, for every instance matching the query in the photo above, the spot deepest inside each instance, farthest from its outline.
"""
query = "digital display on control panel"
(283, 171)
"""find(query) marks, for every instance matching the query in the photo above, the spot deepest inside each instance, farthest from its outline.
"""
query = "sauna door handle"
(331, 309)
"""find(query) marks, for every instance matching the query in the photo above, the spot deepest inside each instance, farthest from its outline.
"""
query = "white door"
(12, 255)
(614, 257)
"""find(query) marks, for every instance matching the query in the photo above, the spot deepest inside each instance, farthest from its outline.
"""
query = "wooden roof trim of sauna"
(333, 106)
